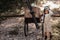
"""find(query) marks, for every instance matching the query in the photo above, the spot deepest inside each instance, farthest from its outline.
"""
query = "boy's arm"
(54, 14)
(51, 12)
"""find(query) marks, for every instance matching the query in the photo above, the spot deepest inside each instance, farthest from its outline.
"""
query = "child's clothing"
(47, 22)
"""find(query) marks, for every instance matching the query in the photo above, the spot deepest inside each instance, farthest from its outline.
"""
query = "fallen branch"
(12, 16)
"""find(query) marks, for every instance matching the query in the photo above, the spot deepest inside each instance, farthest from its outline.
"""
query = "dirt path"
(11, 24)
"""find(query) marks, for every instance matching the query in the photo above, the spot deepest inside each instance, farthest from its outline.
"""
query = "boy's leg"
(50, 36)
(45, 35)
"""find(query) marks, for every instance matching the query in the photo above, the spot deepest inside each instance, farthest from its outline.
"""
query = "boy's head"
(46, 10)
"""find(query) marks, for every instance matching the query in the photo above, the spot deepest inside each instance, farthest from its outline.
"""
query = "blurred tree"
(5, 5)
(9, 7)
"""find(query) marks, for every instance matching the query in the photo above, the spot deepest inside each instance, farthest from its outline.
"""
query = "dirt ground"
(17, 24)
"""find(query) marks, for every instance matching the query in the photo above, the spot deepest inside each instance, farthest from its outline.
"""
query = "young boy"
(47, 23)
